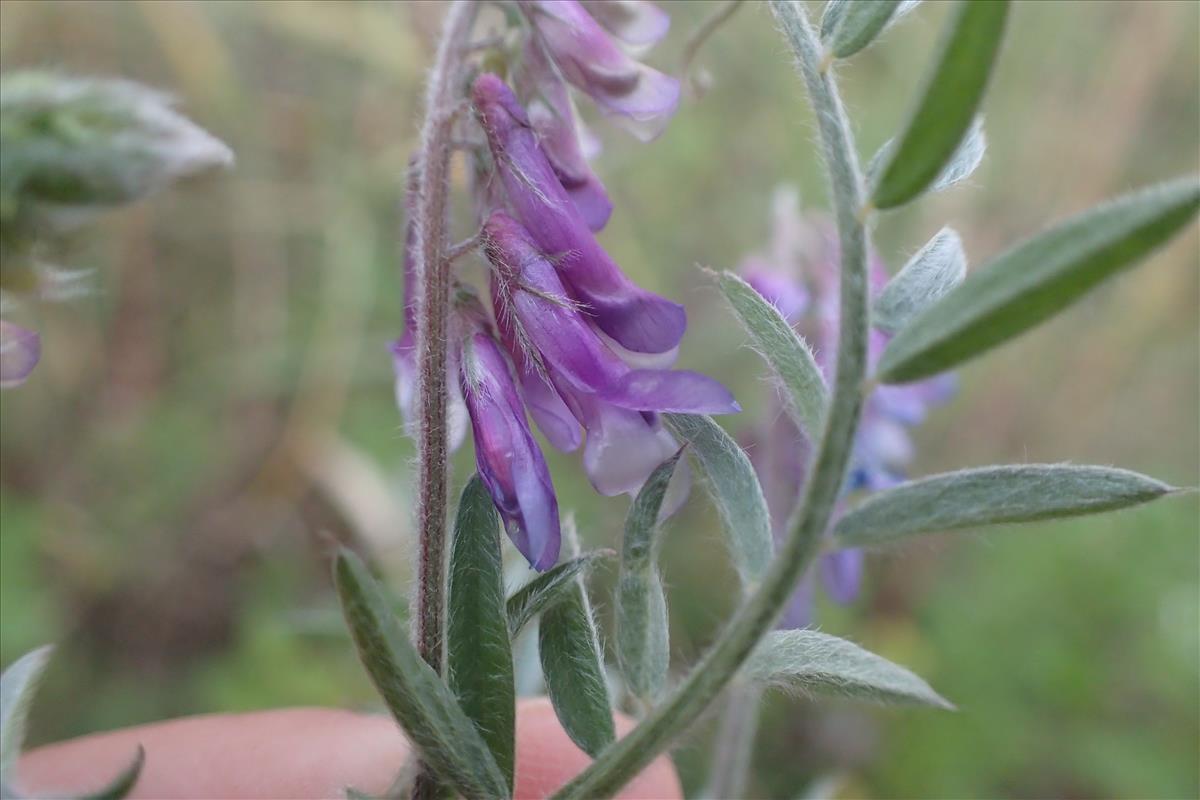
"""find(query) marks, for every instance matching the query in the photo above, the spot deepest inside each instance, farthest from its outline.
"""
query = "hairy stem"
(433, 275)
(617, 765)
(733, 749)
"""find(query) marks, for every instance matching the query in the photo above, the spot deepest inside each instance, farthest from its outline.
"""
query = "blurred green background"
(218, 412)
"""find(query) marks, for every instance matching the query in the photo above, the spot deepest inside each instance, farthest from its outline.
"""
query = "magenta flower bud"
(543, 316)
(20, 349)
(560, 132)
(639, 98)
(636, 319)
(636, 23)
(510, 462)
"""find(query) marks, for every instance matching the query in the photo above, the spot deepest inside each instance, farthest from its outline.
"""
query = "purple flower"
(510, 462)
(404, 349)
(20, 349)
(638, 97)
(560, 353)
(800, 276)
(636, 319)
(562, 136)
(636, 23)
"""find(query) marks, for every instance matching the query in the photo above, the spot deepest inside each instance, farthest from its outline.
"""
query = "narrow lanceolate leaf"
(962, 164)
(858, 25)
(534, 597)
(18, 684)
(643, 640)
(573, 665)
(418, 699)
(734, 489)
(120, 786)
(784, 351)
(948, 104)
(479, 651)
(937, 268)
(831, 16)
(1036, 279)
(808, 662)
(993, 496)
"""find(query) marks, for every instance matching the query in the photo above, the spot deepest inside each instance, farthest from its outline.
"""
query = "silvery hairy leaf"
(949, 101)
(993, 496)
(1037, 279)
(478, 649)
(962, 164)
(782, 348)
(857, 25)
(809, 662)
(573, 664)
(534, 597)
(734, 489)
(643, 637)
(936, 268)
(417, 697)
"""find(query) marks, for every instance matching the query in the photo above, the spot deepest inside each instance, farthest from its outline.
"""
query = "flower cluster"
(575, 342)
(799, 275)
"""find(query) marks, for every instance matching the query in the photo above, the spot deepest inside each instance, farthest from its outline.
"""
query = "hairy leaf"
(1036, 279)
(806, 661)
(573, 665)
(478, 647)
(535, 596)
(993, 496)
(734, 489)
(937, 268)
(962, 164)
(643, 640)
(18, 684)
(858, 25)
(418, 699)
(948, 103)
(783, 350)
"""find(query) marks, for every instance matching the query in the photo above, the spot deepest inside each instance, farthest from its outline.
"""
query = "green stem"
(755, 618)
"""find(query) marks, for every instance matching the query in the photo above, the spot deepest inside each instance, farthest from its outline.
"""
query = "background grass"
(220, 409)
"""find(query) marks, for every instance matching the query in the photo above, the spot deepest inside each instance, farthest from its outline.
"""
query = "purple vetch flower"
(635, 23)
(800, 275)
(564, 140)
(639, 98)
(636, 319)
(562, 354)
(509, 460)
(20, 349)
(404, 349)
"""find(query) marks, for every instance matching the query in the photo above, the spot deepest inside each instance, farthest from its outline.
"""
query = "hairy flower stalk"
(754, 618)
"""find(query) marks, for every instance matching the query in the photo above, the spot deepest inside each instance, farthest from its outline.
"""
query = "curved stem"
(617, 765)
(433, 275)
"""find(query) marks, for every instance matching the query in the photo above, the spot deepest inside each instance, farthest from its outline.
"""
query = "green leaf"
(734, 489)
(573, 665)
(962, 164)
(783, 350)
(831, 16)
(948, 104)
(643, 636)
(479, 651)
(993, 496)
(858, 25)
(1036, 279)
(937, 268)
(18, 684)
(418, 699)
(120, 786)
(534, 597)
(805, 661)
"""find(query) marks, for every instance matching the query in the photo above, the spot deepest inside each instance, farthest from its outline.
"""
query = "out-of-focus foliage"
(218, 412)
